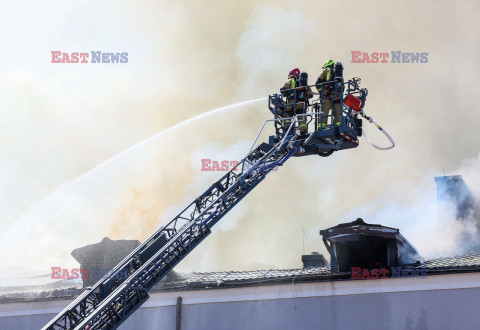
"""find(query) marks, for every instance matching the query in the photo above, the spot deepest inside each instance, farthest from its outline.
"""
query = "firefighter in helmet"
(327, 92)
(296, 100)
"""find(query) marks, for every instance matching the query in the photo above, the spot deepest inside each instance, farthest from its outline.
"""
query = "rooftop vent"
(314, 260)
(359, 244)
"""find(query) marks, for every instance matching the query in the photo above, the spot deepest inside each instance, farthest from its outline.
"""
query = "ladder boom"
(119, 293)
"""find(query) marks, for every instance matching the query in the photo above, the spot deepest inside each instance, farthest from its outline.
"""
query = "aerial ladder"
(126, 287)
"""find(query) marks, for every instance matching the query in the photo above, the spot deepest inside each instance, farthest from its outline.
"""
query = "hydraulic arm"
(123, 290)
(116, 296)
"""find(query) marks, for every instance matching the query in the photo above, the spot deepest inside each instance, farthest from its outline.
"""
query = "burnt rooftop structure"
(359, 244)
(101, 257)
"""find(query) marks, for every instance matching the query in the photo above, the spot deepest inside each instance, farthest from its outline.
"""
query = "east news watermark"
(212, 165)
(94, 273)
(359, 273)
(58, 56)
(209, 165)
(394, 56)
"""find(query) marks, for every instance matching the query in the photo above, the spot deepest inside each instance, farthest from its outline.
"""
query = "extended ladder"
(117, 295)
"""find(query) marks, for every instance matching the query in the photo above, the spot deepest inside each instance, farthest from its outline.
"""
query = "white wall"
(434, 302)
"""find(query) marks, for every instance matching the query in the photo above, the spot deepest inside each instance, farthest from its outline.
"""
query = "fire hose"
(365, 133)
(381, 130)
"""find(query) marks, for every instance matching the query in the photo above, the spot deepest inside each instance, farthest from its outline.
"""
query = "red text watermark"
(59, 273)
(223, 165)
(93, 273)
(359, 273)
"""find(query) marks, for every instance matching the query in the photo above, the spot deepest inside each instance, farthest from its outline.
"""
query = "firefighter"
(297, 100)
(328, 95)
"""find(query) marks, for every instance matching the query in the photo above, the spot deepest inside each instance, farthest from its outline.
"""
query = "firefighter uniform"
(329, 96)
(300, 103)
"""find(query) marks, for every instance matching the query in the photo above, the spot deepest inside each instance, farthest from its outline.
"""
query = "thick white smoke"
(186, 57)
(128, 196)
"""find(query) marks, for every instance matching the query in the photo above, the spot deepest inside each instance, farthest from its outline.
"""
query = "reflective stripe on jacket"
(325, 76)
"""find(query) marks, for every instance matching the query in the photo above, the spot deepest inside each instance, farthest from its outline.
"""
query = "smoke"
(123, 197)
(433, 228)
(186, 57)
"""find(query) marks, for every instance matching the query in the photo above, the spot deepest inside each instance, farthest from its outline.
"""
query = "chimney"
(314, 260)
(359, 244)
(453, 189)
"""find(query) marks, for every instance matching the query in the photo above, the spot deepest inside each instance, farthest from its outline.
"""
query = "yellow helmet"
(328, 63)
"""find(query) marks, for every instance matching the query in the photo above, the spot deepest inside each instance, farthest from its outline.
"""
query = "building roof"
(244, 278)
(462, 262)
(209, 280)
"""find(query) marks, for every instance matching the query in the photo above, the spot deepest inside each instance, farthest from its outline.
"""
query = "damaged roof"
(244, 278)
(462, 262)
(208, 280)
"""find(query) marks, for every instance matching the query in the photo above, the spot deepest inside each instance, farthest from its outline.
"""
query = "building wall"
(436, 302)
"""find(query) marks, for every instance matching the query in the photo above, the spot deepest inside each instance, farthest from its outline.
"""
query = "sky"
(75, 169)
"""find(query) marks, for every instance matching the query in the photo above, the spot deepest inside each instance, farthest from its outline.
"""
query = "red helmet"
(294, 72)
